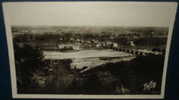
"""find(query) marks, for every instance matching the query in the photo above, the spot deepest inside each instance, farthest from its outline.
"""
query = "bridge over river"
(141, 52)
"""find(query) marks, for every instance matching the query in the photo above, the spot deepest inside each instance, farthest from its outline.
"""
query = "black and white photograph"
(100, 49)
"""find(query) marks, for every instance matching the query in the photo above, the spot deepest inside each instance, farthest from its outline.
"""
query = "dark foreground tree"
(28, 60)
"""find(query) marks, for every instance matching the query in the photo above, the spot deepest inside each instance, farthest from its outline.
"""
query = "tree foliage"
(28, 60)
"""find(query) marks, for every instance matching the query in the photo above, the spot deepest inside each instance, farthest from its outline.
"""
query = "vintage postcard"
(96, 50)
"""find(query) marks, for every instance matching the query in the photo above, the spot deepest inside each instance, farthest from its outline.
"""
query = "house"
(132, 43)
(68, 47)
(115, 45)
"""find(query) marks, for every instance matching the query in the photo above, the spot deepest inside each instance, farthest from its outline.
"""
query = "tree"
(28, 60)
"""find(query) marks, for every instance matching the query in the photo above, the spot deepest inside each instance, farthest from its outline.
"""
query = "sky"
(89, 13)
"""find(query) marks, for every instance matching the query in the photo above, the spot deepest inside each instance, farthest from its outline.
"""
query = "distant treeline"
(88, 30)
(149, 38)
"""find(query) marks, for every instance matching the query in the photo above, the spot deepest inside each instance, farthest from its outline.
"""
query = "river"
(89, 58)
